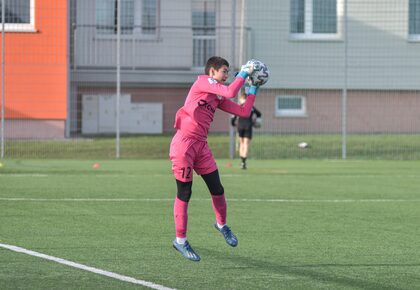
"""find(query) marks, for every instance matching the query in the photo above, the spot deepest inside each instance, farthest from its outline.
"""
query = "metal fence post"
(117, 113)
(344, 97)
(233, 65)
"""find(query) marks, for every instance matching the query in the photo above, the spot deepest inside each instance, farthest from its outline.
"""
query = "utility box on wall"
(90, 115)
(146, 118)
(99, 113)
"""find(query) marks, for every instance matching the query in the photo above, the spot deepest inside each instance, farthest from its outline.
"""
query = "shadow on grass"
(305, 271)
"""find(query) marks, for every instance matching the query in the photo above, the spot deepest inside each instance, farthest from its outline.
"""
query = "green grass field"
(264, 146)
(301, 224)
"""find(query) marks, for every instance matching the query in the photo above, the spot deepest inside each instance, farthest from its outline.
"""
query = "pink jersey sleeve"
(214, 87)
(236, 109)
(194, 118)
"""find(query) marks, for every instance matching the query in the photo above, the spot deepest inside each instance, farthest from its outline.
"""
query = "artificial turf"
(301, 224)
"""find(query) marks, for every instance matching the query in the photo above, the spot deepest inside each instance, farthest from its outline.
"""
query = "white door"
(90, 114)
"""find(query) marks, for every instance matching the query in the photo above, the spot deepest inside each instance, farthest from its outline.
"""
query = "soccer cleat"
(243, 165)
(230, 238)
(186, 250)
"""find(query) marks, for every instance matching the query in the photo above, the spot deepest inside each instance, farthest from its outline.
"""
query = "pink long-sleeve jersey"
(193, 119)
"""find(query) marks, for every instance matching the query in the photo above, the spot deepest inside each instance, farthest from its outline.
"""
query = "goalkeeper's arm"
(243, 110)
(231, 90)
(233, 121)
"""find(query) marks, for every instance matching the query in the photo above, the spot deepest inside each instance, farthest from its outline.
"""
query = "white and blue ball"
(261, 76)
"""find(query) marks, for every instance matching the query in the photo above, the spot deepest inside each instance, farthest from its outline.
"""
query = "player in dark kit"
(244, 127)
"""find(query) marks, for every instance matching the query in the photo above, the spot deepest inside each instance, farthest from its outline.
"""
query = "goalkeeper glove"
(248, 68)
(253, 90)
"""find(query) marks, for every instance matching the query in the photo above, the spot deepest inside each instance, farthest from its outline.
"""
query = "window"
(204, 31)
(19, 15)
(290, 106)
(414, 20)
(148, 19)
(316, 19)
(138, 17)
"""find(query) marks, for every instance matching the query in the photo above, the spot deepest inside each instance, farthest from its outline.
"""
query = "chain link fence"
(104, 78)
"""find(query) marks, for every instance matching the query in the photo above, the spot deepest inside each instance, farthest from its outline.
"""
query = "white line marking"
(226, 175)
(86, 268)
(325, 200)
(86, 199)
(24, 175)
(203, 199)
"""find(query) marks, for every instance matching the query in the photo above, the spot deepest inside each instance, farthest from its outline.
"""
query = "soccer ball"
(260, 77)
(256, 122)
(303, 145)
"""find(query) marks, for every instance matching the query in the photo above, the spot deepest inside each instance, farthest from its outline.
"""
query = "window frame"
(412, 37)
(291, 112)
(308, 24)
(23, 27)
(208, 36)
(137, 31)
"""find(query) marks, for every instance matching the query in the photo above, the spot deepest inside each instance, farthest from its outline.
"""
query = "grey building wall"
(380, 54)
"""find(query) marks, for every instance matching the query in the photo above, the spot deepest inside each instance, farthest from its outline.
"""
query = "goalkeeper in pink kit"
(190, 152)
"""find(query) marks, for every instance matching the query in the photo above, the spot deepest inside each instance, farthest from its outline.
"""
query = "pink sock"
(219, 206)
(180, 217)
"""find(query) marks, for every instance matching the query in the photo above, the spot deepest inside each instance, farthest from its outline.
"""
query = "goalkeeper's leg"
(181, 220)
(181, 208)
(217, 195)
(219, 206)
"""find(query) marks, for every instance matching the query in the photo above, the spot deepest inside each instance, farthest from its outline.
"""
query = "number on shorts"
(186, 170)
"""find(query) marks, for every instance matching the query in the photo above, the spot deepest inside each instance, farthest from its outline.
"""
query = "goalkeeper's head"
(217, 68)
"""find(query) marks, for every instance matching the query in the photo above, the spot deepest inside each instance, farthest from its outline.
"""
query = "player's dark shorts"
(245, 133)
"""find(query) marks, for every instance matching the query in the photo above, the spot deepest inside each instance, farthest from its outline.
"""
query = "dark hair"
(215, 62)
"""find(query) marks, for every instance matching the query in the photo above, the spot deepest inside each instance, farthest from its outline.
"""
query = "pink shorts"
(189, 154)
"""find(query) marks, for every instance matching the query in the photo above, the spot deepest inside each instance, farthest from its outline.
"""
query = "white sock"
(181, 241)
(220, 226)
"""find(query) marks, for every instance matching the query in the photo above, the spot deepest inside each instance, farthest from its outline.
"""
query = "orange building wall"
(36, 66)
